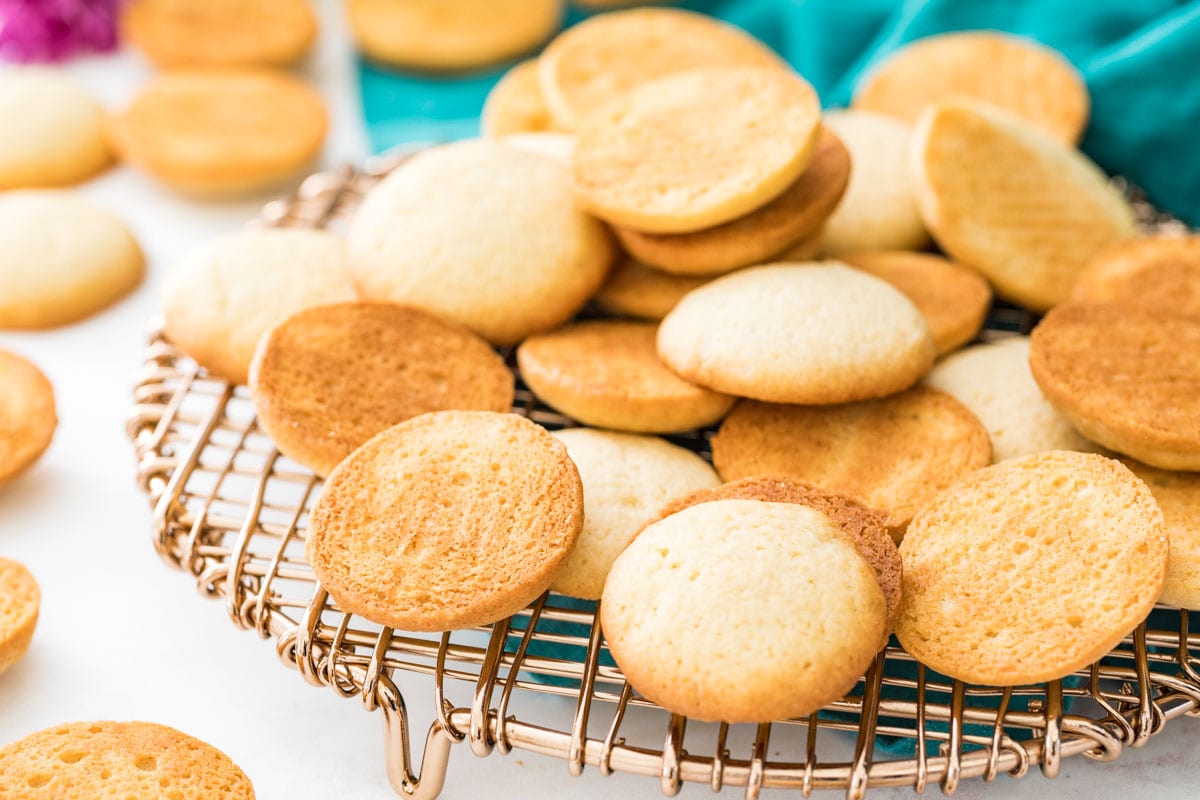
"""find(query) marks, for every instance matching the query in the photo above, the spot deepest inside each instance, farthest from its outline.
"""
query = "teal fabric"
(1141, 61)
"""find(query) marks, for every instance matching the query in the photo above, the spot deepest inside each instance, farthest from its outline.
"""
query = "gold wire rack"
(231, 511)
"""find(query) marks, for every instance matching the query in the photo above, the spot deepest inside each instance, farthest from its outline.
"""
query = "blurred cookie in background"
(27, 415)
(219, 33)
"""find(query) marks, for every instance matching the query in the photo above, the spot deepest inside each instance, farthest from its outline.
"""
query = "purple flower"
(52, 30)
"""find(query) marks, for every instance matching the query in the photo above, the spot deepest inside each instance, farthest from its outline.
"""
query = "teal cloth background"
(1141, 60)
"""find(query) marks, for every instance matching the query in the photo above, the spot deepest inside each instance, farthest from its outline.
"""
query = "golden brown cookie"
(1178, 495)
(20, 599)
(219, 33)
(606, 373)
(514, 105)
(635, 290)
(1154, 273)
(27, 417)
(328, 378)
(450, 520)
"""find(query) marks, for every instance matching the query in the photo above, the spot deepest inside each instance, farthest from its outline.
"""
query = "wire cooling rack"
(230, 511)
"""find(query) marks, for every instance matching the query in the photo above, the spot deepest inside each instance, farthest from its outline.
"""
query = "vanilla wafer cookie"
(219, 33)
(20, 600)
(515, 105)
(1152, 272)
(635, 290)
(27, 416)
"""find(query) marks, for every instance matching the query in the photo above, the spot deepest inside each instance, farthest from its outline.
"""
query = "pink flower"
(52, 30)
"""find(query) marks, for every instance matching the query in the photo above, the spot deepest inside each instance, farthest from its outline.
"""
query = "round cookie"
(529, 261)
(20, 599)
(1153, 272)
(626, 480)
(27, 416)
(1178, 495)
(721, 578)
(1126, 378)
(219, 33)
(893, 454)
(797, 333)
(223, 131)
(1011, 201)
(450, 34)
(514, 105)
(635, 290)
(878, 210)
(696, 149)
(328, 378)
(1019, 75)
(1032, 569)
(450, 520)
(953, 299)
(557, 146)
(53, 133)
(61, 259)
(219, 302)
(94, 760)
(602, 58)
(606, 373)
(792, 216)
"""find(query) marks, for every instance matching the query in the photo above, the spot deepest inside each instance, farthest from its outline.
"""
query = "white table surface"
(122, 636)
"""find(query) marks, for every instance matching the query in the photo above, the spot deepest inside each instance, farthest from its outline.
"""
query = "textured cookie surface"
(1031, 569)
(1153, 273)
(220, 33)
(61, 259)
(606, 373)
(450, 520)
(20, 599)
(101, 760)
(1013, 202)
(797, 333)
(894, 454)
(328, 378)
(696, 149)
(635, 290)
(226, 295)
(27, 416)
(1126, 378)
(742, 611)
(626, 480)
(515, 105)
(1178, 495)
(530, 259)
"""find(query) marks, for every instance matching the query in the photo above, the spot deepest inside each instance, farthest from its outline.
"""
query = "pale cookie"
(219, 33)
(635, 290)
(557, 146)
(528, 259)
(878, 210)
(20, 599)
(514, 105)
(450, 34)
(103, 760)
(602, 58)
(61, 259)
(797, 333)
(1019, 75)
(1030, 570)
(328, 378)
(1178, 495)
(626, 480)
(450, 520)
(27, 416)
(219, 302)
(606, 373)
(1007, 199)
(1126, 378)
(994, 382)
(792, 216)
(52, 134)
(893, 454)
(696, 149)
(775, 589)
(223, 131)
(953, 299)
(1154, 273)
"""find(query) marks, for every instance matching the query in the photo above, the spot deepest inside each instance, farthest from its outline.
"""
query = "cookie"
(1019, 75)
(20, 599)
(1031, 569)
(893, 454)
(94, 760)
(328, 378)
(994, 382)
(450, 520)
(602, 58)
(878, 210)
(697, 149)
(606, 373)
(1154, 272)
(61, 259)
(530, 259)
(797, 333)
(1178, 495)
(807, 249)
(557, 146)
(223, 131)
(721, 579)
(450, 34)
(219, 302)
(219, 33)
(27, 416)
(514, 104)
(53, 133)
(953, 299)
(626, 480)
(1126, 378)
(1011, 201)
(792, 216)
(635, 290)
